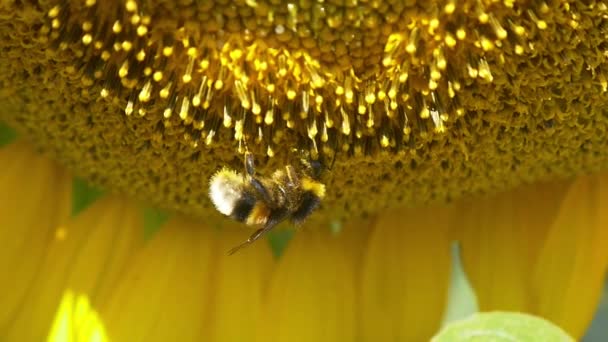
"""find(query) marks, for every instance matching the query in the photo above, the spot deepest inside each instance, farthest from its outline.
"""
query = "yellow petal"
(87, 256)
(35, 201)
(569, 274)
(184, 287)
(500, 237)
(240, 283)
(406, 275)
(312, 294)
(540, 249)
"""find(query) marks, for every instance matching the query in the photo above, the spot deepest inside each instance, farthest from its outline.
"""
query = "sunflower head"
(417, 102)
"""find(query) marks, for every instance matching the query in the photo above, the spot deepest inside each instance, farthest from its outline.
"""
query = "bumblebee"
(289, 193)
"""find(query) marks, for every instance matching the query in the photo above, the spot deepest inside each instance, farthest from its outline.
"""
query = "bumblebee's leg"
(272, 222)
(256, 235)
(257, 185)
(261, 190)
(249, 164)
(292, 174)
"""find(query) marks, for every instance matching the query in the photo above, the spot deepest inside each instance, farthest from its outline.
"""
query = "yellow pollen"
(157, 76)
(87, 39)
(124, 69)
(142, 30)
(54, 12)
(449, 7)
(135, 19)
(117, 27)
(127, 45)
(461, 34)
(129, 108)
(87, 26)
(144, 95)
(141, 55)
(167, 51)
(131, 6)
(164, 93)
(183, 113)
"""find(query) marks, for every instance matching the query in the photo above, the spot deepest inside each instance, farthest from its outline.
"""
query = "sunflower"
(477, 122)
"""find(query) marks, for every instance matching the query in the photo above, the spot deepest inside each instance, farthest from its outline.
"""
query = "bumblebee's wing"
(310, 202)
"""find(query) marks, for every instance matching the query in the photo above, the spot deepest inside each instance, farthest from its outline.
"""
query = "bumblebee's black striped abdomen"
(243, 207)
(310, 202)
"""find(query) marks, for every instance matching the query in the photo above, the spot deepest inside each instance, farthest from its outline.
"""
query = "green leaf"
(83, 195)
(279, 239)
(153, 220)
(502, 326)
(7, 134)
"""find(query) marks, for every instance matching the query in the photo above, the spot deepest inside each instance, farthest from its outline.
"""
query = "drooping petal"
(541, 249)
(406, 275)
(500, 238)
(569, 274)
(35, 202)
(86, 256)
(312, 296)
(184, 287)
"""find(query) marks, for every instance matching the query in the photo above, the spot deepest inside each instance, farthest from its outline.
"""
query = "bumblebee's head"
(314, 167)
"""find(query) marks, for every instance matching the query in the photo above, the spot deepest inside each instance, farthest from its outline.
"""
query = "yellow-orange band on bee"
(313, 186)
(258, 215)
